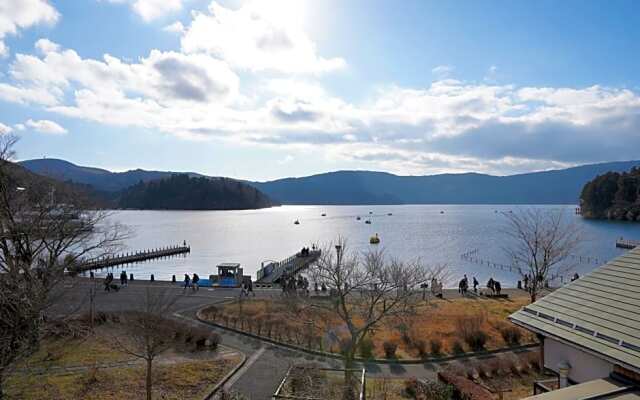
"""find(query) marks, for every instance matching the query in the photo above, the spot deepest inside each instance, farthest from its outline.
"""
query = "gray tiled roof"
(599, 312)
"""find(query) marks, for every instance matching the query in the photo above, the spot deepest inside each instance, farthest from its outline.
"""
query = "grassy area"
(67, 368)
(187, 380)
(435, 320)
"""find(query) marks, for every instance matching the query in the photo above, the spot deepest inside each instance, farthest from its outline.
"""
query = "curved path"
(266, 363)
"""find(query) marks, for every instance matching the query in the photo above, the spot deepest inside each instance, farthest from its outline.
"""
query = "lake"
(436, 234)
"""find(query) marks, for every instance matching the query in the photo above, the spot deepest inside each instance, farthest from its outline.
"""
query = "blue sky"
(268, 89)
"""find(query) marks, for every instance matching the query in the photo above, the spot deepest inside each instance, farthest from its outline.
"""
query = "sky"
(266, 89)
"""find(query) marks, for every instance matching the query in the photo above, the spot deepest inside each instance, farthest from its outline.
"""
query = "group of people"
(290, 284)
(306, 251)
(463, 285)
(247, 289)
(191, 282)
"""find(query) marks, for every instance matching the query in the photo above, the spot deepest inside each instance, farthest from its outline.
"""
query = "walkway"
(266, 363)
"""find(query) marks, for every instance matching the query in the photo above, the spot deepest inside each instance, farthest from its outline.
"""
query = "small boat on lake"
(367, 221)
(370, 212)
(296, 222)
(358, 218)
(390, 214)
(323, 215)
(374, 239)
(441, 212)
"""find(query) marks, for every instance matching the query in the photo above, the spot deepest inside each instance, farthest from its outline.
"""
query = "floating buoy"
(358, 218)
(374, 239)
(324, 215)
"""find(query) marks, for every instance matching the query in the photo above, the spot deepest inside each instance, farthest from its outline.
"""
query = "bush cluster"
(390, 349)
(511, 335)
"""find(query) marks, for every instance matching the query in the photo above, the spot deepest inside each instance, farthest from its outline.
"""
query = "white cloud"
(47, 46)
(176, 27)
(22, 14)
(163, 77)
(258, 36)
(442, 71)
(150, 10)
(20, 127)
(4, 129)
(45, 126)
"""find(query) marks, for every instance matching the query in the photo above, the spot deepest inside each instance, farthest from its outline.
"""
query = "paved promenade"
(266, 363)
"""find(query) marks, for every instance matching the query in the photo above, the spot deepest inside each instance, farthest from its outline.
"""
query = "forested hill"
(368, 187)
(182, 192)
(613, 195)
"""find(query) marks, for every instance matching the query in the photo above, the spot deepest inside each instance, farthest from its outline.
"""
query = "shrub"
(416, 389)
(421, 346)
(344, 345)
(464, 388)
(390, 349)
(436, 347)
(457, 348)
(366, 348)
(532, 359)
(469, 329)
(476, 340)
(213, 340)
(511, 335)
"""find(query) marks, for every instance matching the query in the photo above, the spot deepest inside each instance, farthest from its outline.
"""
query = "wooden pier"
(130, 258)
(272, 272)
(627, 244)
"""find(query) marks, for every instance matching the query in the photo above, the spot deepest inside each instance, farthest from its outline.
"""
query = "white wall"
(584, 366)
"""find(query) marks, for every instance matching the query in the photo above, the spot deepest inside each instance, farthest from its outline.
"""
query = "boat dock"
(272, 272)
(130, 258)
(627, 244)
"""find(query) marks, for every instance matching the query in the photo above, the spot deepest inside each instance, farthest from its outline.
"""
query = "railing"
(627, 244)
(139, 256)
(545, 385)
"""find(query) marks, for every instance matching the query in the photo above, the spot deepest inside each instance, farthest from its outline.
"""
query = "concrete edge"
(228, 376)
(372, 360)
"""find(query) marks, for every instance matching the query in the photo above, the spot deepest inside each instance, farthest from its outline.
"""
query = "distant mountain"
(366, 187)
(181, 192)
(99, 179)
(613, 196)
(153, 189)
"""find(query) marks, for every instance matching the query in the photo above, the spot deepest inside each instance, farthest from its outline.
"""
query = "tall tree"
(147, 331)
(540, 244)
(45, 229)
(366, 290)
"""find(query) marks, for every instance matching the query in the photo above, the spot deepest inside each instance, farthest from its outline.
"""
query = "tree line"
(182, 192)
(614, 196)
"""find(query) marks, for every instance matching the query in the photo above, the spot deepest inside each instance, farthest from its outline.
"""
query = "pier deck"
(272, 272)
(627, 244)
(127, 258)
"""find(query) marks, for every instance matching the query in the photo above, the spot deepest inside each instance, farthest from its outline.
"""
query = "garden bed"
(92, 367)
(434, 330)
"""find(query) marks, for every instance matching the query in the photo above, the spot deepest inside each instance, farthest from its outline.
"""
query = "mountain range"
(368, 187)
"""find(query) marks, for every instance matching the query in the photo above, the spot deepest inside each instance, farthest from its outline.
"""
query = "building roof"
(608, 389)
(229, 265)
(598, 313)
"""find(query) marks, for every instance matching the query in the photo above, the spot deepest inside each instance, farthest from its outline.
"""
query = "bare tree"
(365, 290)
(541, 243)
(46, 228)
(147, 332)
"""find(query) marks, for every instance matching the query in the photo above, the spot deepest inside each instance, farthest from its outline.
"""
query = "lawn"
(92, 368)
(438, 320)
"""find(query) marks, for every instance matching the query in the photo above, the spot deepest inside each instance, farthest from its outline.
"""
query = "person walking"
(123, 277)
(194, 282)
(475, 285)
(187, 282)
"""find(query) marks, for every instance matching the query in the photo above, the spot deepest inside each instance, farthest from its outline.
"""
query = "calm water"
(413, 231)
